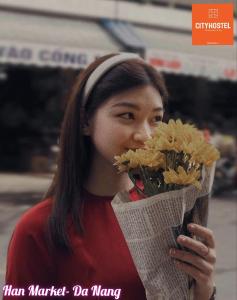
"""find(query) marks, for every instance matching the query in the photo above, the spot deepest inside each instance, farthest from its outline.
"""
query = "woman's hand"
(200, 265)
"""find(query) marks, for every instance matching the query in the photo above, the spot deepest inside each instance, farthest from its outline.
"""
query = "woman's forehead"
(137, 97)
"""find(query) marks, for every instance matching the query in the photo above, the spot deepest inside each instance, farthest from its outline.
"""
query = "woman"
(71, 240)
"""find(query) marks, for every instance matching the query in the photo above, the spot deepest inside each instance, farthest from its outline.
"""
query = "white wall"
(133, 12)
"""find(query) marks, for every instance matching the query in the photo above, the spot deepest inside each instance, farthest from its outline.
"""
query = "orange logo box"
(212, 24)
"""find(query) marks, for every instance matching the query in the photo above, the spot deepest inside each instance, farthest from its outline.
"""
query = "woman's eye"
(129, 115)
(158, 119)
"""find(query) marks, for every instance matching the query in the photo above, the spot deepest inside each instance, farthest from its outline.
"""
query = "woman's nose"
(142, 134)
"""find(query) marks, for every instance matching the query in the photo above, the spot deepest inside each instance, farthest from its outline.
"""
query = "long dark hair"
(73, 163)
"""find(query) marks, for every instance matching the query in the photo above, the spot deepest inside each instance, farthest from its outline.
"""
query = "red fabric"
(133, 194)
(101, 257)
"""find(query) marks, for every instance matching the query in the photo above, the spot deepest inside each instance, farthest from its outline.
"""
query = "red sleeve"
(28, 258)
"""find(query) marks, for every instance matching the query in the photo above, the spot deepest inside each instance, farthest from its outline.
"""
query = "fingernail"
(191, 226)
(172, 251)
(182, 238)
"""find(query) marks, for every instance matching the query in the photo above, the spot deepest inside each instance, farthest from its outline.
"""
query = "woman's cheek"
(123, 135)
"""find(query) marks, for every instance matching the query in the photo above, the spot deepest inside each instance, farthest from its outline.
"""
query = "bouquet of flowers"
(172, 159)
(172, 175)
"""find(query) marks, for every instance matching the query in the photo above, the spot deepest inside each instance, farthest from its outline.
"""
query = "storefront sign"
(212, 24)
(44, 55)
(189, 64)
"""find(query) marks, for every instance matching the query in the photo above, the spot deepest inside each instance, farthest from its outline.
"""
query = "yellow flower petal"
(181, 177)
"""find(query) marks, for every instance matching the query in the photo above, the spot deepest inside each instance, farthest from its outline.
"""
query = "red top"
(100, 258)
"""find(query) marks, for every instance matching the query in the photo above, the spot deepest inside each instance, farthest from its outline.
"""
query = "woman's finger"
(197, 274)
(192, 259)
(198, 247)
(205, 233)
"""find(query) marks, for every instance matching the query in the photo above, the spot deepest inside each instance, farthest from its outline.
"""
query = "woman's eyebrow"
(135, 106)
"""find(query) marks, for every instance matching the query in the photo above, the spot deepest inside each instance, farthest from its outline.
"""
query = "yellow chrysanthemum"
(181, 177)
(174, 136)
(140, 157)
(179, 137)
(204, 153)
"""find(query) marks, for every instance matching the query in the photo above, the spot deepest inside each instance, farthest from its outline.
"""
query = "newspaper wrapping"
(151, 226)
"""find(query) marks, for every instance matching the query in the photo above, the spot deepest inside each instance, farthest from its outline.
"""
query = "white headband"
(102, 69)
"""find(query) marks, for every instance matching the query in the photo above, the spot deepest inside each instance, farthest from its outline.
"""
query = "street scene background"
(43, 48)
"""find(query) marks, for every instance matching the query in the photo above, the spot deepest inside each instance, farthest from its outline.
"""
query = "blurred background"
(44, 44)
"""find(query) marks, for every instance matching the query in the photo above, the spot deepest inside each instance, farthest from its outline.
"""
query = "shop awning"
(124, 32)
(52, 41)
(173, 52)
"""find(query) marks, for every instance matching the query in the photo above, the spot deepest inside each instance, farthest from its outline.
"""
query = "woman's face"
(125, 121)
